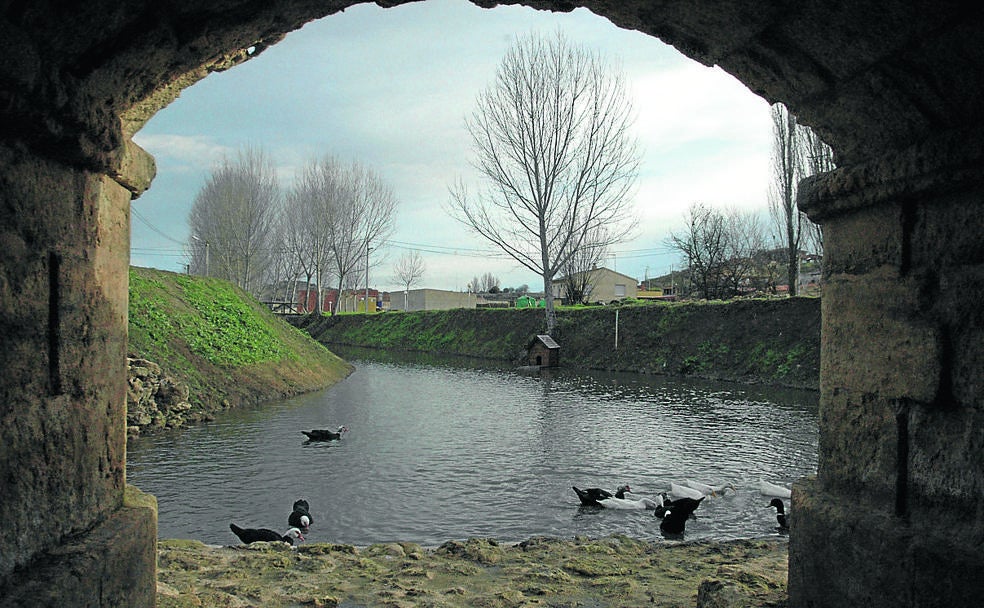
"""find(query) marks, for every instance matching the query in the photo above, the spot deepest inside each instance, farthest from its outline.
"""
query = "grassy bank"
(222, 344)
(774, 342)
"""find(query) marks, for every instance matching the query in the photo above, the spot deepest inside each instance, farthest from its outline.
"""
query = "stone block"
(877, 339)
(843, 552)
(112, 565)
(863, 242)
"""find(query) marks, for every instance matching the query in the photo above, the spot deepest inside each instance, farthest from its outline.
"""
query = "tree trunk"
(548, 300)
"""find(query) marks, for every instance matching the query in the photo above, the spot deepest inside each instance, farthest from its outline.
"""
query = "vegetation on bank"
(613, 571)
(769, 341)
(224, 345)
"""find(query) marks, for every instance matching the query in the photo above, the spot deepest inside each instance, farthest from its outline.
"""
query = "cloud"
(199, 152)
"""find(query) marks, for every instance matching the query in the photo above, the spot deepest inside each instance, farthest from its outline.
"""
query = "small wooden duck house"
(543, 351)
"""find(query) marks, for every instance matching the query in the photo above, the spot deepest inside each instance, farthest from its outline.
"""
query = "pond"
(442, 449)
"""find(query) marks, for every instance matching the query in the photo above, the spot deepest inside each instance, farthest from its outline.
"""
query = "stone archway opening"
(896, 89)
(310, 65)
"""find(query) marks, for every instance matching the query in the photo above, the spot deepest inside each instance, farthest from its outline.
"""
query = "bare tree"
(232, 217)
(819, 158)
(490, 283)
(787, 168)
(552, 140)
(285, 267)
(745, 238)
(409, 269)
(308, 210)
(362, 215)
(703, 243)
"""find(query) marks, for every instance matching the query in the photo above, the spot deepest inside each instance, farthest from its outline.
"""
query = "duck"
(780, 513)
(684, 491)
(252, 535)
(300, 516)
(591, 496)
(767, 488)
(667, 504)
(709, 490)
(676, 515)
(325, 434)
(630, 501)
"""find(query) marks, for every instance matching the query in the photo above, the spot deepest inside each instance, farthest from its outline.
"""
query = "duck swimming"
(767, 488)
(780, 513)
(678, 490)
(300, 516)
(676, 515)
(630, 502)
(325, 434)
(591, 496)
(709, 490)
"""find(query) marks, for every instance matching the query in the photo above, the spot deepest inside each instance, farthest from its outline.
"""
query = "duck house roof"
(546, 340)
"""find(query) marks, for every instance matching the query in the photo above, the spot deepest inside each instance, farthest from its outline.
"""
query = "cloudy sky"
(391, 87)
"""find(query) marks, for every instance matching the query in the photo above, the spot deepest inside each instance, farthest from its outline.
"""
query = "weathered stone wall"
(64, 254)
(894, 517)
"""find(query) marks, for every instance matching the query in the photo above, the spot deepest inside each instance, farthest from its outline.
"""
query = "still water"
(441, 450)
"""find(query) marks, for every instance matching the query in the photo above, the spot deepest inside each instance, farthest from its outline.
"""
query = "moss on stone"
(614, 571)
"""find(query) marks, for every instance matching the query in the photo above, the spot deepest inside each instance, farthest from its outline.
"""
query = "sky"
(390, 88)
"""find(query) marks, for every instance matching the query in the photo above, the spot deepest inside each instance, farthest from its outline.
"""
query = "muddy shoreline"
(614, 571)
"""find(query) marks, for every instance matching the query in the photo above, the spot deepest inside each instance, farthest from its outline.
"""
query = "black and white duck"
(591, 497)
(326, 434)
(252, 535)
(300, 516)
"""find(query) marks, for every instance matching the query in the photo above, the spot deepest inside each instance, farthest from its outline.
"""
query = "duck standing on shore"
(253, 535)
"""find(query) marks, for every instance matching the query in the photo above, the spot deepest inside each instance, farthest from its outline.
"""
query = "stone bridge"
(895, 516)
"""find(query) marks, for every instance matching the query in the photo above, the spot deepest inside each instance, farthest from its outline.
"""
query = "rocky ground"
(616, 572)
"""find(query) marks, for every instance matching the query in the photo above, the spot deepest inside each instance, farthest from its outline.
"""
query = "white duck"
(708, 490)
(767, 488)
(631, 501)
(684, 491)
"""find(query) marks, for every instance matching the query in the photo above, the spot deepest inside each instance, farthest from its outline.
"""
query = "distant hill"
(216, 344)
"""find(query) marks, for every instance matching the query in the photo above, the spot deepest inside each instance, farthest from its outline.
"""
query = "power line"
(147, 223)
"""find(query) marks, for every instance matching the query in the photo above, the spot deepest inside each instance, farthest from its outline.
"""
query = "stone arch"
(896, 88)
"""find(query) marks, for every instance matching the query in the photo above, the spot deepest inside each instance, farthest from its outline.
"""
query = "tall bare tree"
(308, 210)
(361, 218)
(818, 158)
(787, 168)
(552, 139)
(407, 271)
(231, 219)
(797, 152)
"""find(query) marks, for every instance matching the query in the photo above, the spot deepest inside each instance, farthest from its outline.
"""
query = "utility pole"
(368, 249)
(206, 251)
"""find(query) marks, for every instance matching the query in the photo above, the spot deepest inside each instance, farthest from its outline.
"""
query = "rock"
(155, 401)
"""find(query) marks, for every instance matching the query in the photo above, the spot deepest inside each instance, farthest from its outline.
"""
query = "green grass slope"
(774, 342)
(227, 347)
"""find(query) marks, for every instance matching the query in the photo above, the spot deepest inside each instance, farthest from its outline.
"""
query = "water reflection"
(444, 448)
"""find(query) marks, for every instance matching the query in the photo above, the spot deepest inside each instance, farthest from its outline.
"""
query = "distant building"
(604, 285)
(431, 299)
